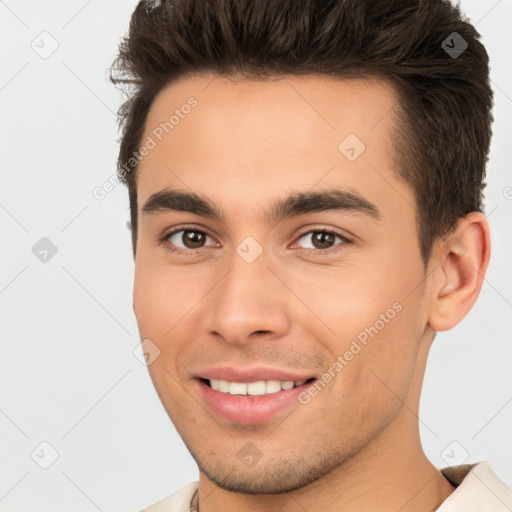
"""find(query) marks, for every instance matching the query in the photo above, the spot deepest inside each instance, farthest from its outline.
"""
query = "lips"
(249, 396)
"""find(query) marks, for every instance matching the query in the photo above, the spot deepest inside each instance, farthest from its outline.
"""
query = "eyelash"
(310, 252)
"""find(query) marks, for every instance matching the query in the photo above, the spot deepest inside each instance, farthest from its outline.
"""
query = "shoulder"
(477, 488)
(177, 502)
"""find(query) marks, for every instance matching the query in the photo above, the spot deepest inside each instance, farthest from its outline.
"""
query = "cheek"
(369, 324)
(370, 389)
(344, 301)
(161, 298)
(159, 306)
(158, 309)
(166, 299)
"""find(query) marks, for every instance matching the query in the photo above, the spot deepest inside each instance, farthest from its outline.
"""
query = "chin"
(273, 476)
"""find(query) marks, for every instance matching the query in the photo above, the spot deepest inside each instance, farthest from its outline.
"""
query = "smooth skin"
(356, 445)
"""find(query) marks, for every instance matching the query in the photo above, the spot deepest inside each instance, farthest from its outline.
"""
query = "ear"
(462, 260)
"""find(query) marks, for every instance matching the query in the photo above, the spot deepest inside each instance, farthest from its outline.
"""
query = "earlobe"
(462, 262)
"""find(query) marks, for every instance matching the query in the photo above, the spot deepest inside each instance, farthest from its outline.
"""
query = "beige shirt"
(478, 489)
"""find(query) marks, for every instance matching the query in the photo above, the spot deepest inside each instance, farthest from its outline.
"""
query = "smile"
(258, 388)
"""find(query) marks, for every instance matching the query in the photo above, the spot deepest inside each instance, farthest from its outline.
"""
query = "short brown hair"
(443, 129)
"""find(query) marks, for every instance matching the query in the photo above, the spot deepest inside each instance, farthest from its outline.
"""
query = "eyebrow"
(296, 204)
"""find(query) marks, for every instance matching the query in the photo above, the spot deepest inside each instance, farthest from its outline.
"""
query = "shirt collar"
(478, 489)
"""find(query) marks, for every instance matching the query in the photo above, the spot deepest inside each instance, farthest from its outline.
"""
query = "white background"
(68, 373)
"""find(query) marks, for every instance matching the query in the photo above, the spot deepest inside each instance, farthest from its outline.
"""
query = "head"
(275, 131)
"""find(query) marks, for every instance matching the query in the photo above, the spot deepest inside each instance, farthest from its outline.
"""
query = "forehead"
(324, 105)
(261, 137)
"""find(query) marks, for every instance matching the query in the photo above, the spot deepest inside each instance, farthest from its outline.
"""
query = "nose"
(249, 301)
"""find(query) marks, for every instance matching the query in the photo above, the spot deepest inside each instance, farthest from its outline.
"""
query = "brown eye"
(321, 240)
(187, 238)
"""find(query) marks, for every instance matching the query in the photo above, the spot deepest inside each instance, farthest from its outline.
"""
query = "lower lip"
(248, 409)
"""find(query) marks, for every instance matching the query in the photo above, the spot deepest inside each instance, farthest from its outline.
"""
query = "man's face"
(331, 295)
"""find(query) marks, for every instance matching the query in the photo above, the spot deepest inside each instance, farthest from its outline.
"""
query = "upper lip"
(254, 374)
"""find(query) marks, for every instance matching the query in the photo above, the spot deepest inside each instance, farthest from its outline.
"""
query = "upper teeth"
(261, 387)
